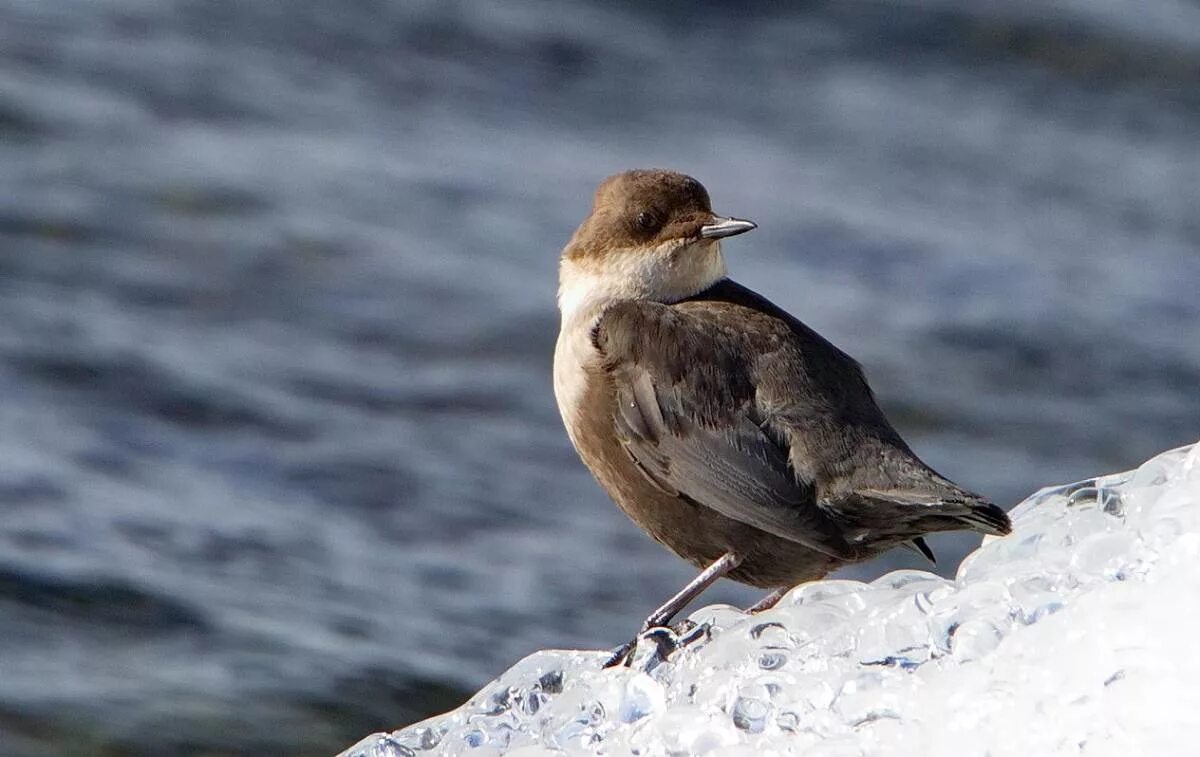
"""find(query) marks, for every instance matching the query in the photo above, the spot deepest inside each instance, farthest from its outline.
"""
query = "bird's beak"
(719, 228)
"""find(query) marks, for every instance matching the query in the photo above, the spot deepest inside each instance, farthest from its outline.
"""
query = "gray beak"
(719, 227)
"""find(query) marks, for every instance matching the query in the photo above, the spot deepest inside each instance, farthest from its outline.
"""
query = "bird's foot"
(621, 654)
(767, 602)
(654, 646)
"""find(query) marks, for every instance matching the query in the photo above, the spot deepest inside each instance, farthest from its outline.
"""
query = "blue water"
(279, 460)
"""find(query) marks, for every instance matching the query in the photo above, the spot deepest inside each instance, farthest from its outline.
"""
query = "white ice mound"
(1077, 634)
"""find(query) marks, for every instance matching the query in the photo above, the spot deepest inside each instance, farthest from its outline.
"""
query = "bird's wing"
(818, 401)
(689, 415)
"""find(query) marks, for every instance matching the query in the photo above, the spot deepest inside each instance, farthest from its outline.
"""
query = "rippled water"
(277, 285)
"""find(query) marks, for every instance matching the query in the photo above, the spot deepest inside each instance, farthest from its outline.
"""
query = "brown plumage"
(732, 433)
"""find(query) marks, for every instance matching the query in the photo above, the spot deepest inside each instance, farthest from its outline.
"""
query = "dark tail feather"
(920, 546)
(914, 512)
(988, 518)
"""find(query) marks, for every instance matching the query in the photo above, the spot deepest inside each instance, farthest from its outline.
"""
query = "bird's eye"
(647, 221)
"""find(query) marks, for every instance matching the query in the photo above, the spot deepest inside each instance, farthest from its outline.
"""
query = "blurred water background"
(279, 460)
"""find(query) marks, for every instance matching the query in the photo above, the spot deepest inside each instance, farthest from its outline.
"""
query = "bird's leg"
(695, 587)
(769, 601)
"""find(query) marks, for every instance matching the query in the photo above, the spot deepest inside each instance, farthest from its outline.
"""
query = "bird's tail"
(908, 513)
(986, 517)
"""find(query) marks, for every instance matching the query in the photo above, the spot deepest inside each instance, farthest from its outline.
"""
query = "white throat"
(668, 274)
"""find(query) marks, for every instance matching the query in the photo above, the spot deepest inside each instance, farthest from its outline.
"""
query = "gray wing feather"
(732, 403)
(689, 440)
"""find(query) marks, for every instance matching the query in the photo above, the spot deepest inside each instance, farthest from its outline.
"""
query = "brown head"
(651, 234)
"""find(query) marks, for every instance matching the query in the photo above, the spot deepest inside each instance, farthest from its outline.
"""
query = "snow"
(1072, 636)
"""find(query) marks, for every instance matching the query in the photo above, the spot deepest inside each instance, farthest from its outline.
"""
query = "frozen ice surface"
(1077, 634)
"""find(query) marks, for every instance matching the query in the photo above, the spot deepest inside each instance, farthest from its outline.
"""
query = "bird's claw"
(622, 654)
(666, 642)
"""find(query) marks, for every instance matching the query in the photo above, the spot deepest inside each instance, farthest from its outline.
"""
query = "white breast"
(574, 359)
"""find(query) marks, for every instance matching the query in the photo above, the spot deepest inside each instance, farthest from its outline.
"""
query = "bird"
(728, 430)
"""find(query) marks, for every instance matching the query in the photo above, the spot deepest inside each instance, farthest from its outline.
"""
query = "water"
(277, 282)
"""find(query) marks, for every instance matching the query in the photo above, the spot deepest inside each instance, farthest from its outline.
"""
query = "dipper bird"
(736, 436)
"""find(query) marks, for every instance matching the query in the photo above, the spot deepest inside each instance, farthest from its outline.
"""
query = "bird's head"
(651, 235)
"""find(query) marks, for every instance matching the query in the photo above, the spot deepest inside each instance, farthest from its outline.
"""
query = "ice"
(1075, 635)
